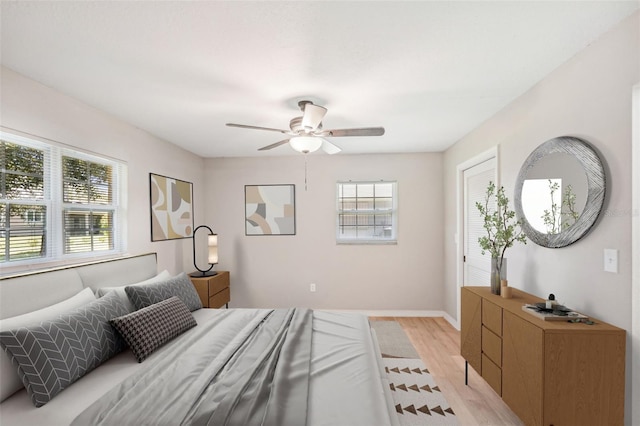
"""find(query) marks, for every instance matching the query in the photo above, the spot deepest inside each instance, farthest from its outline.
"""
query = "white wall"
(267, 271)
(275, 271)
(588, 97)
(30, 107)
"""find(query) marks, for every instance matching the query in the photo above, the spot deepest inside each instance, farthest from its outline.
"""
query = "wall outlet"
(312, 287)
(611, 260)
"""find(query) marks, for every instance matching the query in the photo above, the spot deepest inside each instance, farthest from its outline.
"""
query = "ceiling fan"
(307, 134)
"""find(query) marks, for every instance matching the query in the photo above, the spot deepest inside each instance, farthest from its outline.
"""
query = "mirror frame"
(596, 184)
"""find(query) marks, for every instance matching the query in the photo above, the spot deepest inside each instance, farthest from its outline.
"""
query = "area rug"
(417, 397)
(393, 341)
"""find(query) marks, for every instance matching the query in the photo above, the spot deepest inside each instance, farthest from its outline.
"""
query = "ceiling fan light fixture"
(305, 144)
(312, 116)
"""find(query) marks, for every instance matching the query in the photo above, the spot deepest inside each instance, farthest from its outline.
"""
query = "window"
(367, 212)
(57, 203)
(87, 194)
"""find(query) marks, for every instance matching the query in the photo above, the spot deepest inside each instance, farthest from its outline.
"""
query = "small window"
(367, 212)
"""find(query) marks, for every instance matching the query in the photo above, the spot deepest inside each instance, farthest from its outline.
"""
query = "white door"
(476, 266)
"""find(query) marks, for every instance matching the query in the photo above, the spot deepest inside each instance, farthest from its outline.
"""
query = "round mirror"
(560, 192)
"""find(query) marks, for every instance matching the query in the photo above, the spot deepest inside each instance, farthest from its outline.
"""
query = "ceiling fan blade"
(244, 126)
(313, 115)
(365, 131)
(274, 145)
(330, 148)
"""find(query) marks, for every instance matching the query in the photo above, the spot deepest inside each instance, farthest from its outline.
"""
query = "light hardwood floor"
(438, 344)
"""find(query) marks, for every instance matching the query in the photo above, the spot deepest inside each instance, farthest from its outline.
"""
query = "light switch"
(611, 260)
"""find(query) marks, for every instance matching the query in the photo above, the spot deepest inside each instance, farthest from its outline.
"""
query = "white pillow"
(11, 382)
(162, 276)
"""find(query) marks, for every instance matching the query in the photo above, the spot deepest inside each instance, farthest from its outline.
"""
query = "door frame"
(635, 251)
(459, 236)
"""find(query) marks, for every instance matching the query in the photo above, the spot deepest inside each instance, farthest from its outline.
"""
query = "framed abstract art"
(171, 202)
(270, 209)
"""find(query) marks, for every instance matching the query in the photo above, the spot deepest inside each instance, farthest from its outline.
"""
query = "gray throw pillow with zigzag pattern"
(54, 354)
(180, 286)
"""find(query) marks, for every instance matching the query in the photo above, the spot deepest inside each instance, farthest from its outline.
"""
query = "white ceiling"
(429, 72)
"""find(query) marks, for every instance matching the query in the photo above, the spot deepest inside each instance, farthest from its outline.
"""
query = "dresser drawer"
(492, 374)
(492, 317)
(492, 346)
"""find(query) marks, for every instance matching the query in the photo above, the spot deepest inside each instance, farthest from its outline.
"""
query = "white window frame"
(55, 206)
(392, 238)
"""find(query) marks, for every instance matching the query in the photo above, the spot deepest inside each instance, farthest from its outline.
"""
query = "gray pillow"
(162, 276)
(51, 356)
(180, 286)
(11, 382)
(147, 329)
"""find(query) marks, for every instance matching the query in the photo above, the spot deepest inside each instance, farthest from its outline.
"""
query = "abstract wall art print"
(270, 209)
(171, 208)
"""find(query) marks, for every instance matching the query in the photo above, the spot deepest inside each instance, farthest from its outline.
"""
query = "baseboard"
(452, 321)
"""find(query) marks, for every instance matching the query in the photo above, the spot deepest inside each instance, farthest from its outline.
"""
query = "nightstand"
(214, 291)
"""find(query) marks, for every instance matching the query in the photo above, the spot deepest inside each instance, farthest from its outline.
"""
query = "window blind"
(366, 212)
(56, 202)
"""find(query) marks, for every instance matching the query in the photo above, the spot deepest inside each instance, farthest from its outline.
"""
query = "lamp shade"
(213, 249)
(313, 115)
(305, 144)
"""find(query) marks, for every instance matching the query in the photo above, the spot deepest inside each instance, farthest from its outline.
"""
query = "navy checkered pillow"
(147, 329)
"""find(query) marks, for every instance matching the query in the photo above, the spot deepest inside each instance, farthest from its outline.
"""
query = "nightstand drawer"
(220, 299)
(214, 291)
(218, 284)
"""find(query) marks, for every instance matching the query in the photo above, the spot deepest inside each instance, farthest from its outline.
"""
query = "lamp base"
(199, 274)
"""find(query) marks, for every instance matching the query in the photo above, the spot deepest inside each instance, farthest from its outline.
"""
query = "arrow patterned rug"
(417, 397)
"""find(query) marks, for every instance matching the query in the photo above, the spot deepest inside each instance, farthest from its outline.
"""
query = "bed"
(235, 366)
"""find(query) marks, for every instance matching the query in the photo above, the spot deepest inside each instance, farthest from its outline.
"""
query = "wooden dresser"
(214, 291)
(548, 372)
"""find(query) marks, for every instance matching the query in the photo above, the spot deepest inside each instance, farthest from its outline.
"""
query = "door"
(477, 267)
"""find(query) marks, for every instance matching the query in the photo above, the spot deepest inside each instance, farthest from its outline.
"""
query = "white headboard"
(24, 293)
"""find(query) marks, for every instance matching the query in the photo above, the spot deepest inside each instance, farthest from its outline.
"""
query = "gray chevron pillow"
(146, 329)
(51, 356)
(180, 286)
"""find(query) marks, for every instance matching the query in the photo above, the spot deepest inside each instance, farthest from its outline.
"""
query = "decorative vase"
(505, 290)
(498, 273)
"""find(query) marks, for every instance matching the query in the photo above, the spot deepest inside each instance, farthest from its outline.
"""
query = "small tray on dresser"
(559, 313)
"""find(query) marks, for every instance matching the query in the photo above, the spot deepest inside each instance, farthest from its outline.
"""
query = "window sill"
(367, 242)
(18, 267)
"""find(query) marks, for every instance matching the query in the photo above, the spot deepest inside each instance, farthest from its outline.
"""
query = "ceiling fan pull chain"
(305, 172)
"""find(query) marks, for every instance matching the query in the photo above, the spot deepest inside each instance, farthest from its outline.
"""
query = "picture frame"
(171, 208)
(270, 209)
